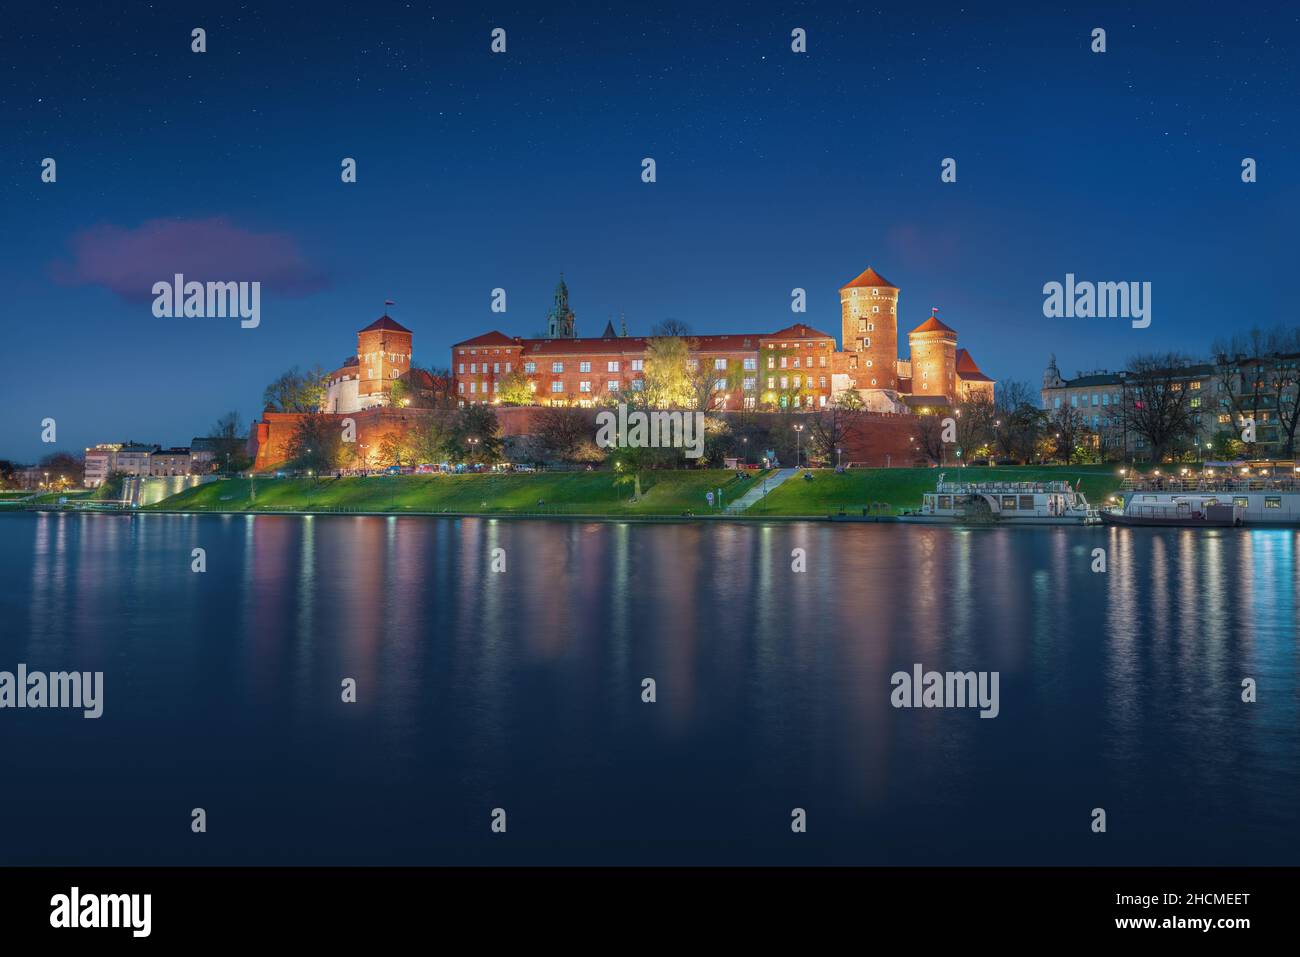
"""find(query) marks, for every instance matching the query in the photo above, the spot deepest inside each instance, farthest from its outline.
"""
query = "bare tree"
(1241, 365)
(835, 425)
(1068, 427)
(1157, 405)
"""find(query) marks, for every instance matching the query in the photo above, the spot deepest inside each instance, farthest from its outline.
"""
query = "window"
(796, 382)
(473, 367)
(1241, 501)
(473, 387)
(461, 368)
(1196, 402)
(720, 364)
(821, 384)
(496, 386)
(557, 386)
(1196, 385)
(866, 343)
(771, 382)
(507, 367)
(771, 362)
(530, 367)
(1094, 398)
(613, 385)
(612, 366)
(1272, 501)
(783, 362)
(532, 386)
(822, 363)
(557, 367)
(638, 385)
(1008, 503)
(584, 366)
(638, 365)
(584, 386)
(862, 325)
(1105, 398)
(1074, 401)
(871, 327)
(496, 368)
(748, 384)
(875, 308)
(821, 400)
(785, 382)
(750, 365)
(873, 381)
(868, 363)
(720, 385)
(1027, 502)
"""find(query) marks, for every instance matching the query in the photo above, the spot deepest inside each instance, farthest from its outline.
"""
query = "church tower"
(560, 321)
(869, 324)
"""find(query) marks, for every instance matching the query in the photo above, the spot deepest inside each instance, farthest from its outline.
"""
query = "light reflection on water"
(522, 689)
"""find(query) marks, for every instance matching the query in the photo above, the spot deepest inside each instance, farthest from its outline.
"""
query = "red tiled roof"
(869, 277)
(933, 325)
(968, 370)
(492, 338)
(386, 323)
(799, 331)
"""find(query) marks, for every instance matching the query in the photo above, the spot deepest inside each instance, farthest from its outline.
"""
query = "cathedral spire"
(560, 321)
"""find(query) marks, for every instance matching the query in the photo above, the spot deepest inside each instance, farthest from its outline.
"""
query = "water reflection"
(478, 687)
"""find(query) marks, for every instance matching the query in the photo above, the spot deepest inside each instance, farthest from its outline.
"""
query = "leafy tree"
(316, 444)
(475, 436)
(516, 389)
(296, 391)
(667, 374)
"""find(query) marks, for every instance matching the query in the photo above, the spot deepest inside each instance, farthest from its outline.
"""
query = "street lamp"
(838, 453)
(798, 436)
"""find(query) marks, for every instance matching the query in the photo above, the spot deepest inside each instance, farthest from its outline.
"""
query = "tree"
(1068, 427)
(667, 374)
(62, 469)
(230, 446)
(975, 429)
(1157, 405)
(833, 426)
(516, 389)
(316, 444)
(296, 391)
(929, 434)
(1284, 380)
(475, 436)
(1018, 423)
(1241, 372)
(563, 432)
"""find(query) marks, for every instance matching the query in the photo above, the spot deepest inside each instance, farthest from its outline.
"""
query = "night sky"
(475, 170)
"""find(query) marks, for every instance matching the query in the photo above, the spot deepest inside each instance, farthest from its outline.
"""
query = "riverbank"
(665, 494)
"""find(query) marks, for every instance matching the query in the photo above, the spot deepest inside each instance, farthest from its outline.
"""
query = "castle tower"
(869, 326)
(560, 321)
(383, 355)
(933, 348)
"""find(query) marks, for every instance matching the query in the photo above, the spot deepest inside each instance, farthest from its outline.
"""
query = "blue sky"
(475, 170)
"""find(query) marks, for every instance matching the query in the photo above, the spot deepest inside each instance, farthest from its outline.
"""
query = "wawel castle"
(797, 367)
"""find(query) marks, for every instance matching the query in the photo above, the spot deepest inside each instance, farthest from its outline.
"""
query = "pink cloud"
(129, 261)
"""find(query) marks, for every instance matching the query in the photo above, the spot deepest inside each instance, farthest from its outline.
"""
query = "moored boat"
(1178, 511)
(1004, 503)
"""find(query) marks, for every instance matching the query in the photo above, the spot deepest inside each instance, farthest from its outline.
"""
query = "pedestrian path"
(757, 492)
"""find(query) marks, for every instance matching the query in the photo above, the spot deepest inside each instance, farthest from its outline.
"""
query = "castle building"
(796, 367)
(365, 380)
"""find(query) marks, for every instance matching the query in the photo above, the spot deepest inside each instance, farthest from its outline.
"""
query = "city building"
(1100, 398)
(133, 459)
(100, 463)
(170, 462)
(795, 367)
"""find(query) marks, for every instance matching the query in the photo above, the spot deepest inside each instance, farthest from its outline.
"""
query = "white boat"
(1249, 502)
(1004, 503)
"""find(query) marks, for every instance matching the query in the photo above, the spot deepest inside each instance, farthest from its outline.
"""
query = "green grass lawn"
(576, 493)
(902, 488)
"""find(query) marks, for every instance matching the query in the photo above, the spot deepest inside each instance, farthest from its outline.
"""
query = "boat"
(1208, 502)
(1176, 511)
(1004, 503)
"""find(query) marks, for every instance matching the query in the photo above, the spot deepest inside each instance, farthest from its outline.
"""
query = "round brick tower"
(933, 347)
(869, 324)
